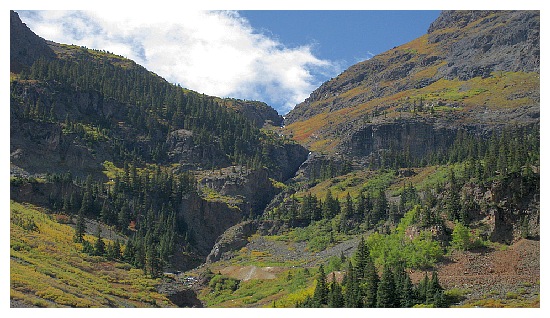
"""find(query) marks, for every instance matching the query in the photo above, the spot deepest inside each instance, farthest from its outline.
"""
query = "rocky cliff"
(414, 140)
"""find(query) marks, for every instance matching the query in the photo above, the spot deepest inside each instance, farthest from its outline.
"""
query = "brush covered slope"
(48, 269)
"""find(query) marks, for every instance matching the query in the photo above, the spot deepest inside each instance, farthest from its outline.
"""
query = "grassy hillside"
(471, 102)
(49, 270)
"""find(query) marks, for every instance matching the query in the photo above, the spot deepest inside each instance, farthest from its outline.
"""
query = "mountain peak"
(25, 46)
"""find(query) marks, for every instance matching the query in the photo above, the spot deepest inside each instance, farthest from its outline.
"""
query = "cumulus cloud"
(213, 52)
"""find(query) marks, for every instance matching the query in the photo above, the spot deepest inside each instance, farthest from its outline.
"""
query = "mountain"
(93, 131)
(412, 179)
(473, 69)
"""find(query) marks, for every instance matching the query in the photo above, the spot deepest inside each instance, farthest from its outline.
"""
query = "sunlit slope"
(47, 269)
(472, 68)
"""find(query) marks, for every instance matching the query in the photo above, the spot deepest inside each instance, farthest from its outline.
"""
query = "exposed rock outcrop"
(502, 41)
(253, 186)
(207, 220)
(257, 112)
(182, 149)
(413, 139)
(287, 159)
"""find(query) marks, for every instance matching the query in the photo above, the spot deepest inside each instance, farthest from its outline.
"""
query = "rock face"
(502, 41)
(233, 239)
(182, 148)
(25, 46)
(258, 112)
(207, 220)
(414, 139)
(236, 237)
(254, 186)
(287, 159)
(41, 146)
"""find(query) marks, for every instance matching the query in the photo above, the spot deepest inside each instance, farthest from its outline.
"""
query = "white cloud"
(213, 52)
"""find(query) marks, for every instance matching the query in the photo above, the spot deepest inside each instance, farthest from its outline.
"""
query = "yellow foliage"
(48, 269)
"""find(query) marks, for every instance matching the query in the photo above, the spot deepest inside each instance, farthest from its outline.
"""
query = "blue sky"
(347, 36)
(278, 57)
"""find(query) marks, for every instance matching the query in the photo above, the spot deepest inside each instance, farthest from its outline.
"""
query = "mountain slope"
(475, 69)
(423, 159)
(48, 269)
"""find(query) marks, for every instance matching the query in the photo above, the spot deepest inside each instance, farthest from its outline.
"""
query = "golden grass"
(47, 269)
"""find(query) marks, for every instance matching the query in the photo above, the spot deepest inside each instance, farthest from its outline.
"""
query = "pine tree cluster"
(362, 287)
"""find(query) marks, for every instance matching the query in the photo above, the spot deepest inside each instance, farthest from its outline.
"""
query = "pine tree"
(129, 252)
(87, 247)
(434, 290)
(331, 206)
(352, 292)
(105, 213)
(407, 293)
(380, 208)
(385, 297)
(371, 282)
(80, 227)
(116, 250)
(320, 294)
(99, 246)
(421, 289)
(361, 258)
(335, 298)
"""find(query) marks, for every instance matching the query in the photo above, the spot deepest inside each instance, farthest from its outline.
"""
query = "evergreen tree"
(129, 252)
(361, 258)
(380, 208)
(116, 249)
(99, 246)
(352, 292)
(80, 227)
(371, 282)
(407, 293)
(335, 298)
(320, 294)
(421, 289)
(434, 290)
(87, 247)
(331, 206)
(385, 297)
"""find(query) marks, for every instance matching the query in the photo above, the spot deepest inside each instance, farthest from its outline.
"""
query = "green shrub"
(461, 237)
(220, 283)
